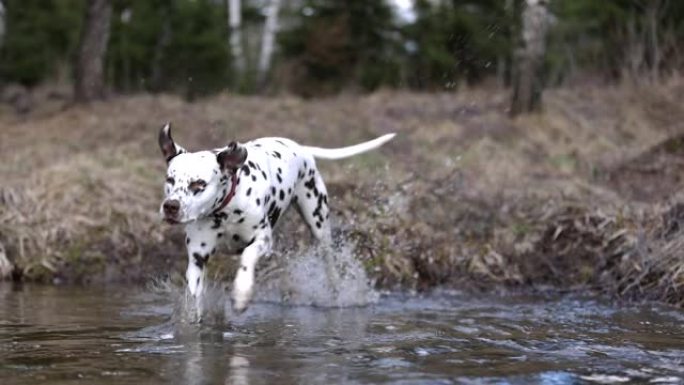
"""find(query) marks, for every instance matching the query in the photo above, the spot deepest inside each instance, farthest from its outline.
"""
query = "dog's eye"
(170, 181)
(197, 186)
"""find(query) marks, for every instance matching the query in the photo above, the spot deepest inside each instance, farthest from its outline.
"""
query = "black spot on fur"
(273, 214)
(241, 220)
(218, 219)
(203, 244)
(200, 260)
(236, 238)
(245, 170)
(253, 178)
(318, 225)
(249, 191)
(258, 202)
(187, 241)
(310, 184)
(264, 174)
(277, 154)
(251, 164)
(282, 195)
(219, 235)
(273, 190)
(319, 206)
(280, 180)
(237, 211)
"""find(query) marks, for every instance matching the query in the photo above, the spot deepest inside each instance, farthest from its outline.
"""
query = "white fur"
(346, 152)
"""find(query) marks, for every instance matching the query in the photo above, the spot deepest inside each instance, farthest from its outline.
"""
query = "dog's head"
(196, 182)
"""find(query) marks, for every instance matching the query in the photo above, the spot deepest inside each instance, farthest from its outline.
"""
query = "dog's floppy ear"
(232, 158)
(166, 144)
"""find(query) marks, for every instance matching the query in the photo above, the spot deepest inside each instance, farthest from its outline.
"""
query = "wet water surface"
(54, 335)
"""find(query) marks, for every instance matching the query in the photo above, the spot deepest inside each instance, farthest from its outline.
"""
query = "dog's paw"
(243, 287)
(241, 300)
(6, 266)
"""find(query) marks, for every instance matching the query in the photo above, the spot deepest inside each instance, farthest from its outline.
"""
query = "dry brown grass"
(463, 195)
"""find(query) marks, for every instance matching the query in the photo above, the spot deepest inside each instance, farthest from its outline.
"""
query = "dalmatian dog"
(236, 194)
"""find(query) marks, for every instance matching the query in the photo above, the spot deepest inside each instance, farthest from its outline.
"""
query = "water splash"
(321, 276)
(318, 276)
(185, 307)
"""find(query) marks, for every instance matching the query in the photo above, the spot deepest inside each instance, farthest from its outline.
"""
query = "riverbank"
(585, 196)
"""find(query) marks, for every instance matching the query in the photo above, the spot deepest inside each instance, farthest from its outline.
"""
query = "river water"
(114, 335)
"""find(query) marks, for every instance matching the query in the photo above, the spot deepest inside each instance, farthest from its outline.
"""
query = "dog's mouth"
(171, 221)
(176, 221)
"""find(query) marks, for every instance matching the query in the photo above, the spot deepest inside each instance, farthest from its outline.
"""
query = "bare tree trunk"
(235, 25)
(268, 42)
(503, 61)
(163, 41)
(529, 58)
(92, 48)
(653, 10)
(2, 23)
(635, 50)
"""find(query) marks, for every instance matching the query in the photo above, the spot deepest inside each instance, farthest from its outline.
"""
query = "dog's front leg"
(200, 240)
(243, 286)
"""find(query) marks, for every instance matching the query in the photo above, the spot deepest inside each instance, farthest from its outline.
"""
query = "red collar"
(230, 195)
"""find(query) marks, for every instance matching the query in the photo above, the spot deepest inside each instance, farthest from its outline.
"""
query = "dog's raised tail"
(345, 152)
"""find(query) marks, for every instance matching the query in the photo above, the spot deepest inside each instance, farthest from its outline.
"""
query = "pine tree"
(40, 35)
(339, 44)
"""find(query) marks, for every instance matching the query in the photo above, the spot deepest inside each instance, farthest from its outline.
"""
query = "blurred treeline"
(326, 46)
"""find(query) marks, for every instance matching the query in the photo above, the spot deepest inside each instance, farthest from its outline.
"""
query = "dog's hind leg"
(312, 199)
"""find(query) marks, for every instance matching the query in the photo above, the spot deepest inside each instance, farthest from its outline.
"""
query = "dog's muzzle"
(171, 208)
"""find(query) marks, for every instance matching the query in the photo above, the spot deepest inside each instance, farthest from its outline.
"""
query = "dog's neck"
(229, 192)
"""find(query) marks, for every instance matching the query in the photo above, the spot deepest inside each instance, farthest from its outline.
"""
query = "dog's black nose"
(171, 208)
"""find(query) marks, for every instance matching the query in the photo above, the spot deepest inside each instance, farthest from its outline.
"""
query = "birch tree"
(268, 42)
(92, 48)
(235, 26)
(529, 58)
(654, 13)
